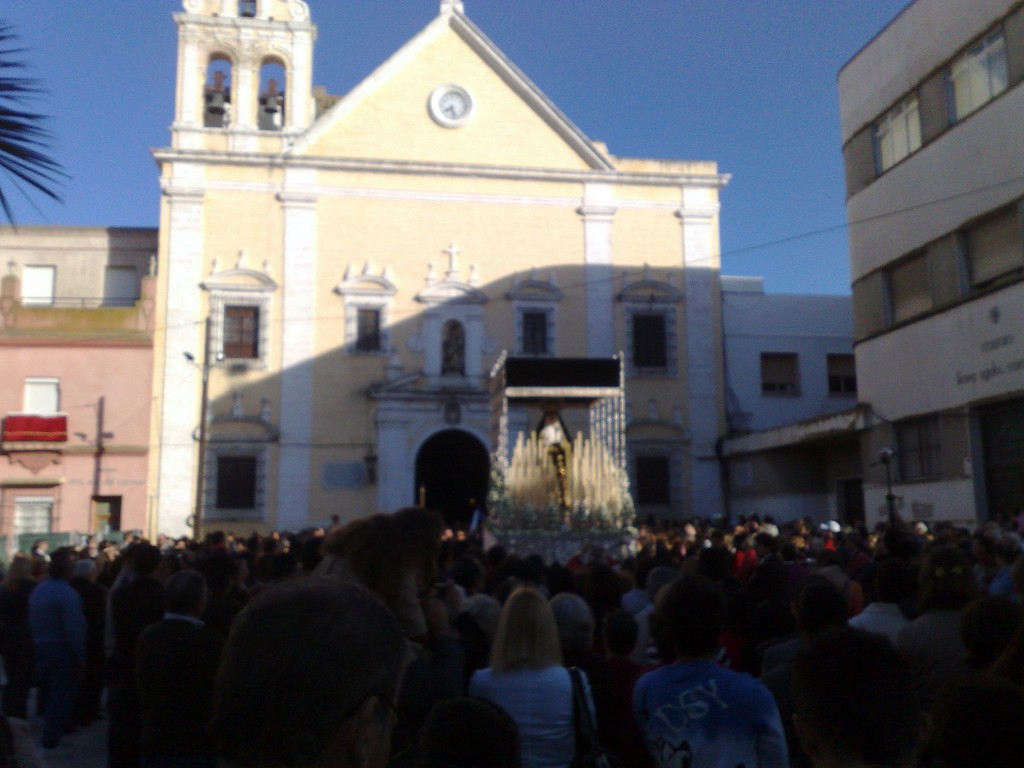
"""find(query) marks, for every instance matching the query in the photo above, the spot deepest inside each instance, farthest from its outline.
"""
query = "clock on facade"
(450, 105)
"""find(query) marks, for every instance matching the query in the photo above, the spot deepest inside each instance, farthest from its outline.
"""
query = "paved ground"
(86, 748)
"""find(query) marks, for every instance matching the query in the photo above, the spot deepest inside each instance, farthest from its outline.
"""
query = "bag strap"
(581, 708)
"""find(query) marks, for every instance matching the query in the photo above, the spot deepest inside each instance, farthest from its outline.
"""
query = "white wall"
(970, 353)
(811, 326)
(950, 500)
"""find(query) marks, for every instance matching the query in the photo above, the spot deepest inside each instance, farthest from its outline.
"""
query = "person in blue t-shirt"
(694, 713)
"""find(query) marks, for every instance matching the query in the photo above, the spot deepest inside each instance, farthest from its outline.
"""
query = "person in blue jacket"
(58, 629)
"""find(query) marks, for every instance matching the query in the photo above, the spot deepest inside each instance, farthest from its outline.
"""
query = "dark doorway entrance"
(1002, 430)
(452, 469)
(106, 514)
(850, 493)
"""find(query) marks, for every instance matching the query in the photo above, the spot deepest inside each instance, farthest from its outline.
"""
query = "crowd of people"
(390, 641)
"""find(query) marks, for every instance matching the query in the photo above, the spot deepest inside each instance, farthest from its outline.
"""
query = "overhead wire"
(618, 270)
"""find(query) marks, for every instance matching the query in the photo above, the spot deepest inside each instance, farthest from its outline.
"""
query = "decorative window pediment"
(239, 426)
(239, 277)
(236, 462)
(534, 289)
(649, 290)
(240, 308)
(365, 283)
(367, 308)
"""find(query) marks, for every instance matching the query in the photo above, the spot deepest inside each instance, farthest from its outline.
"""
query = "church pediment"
(451, 97)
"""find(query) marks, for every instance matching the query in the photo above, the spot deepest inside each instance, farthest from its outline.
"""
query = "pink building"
(76, 351)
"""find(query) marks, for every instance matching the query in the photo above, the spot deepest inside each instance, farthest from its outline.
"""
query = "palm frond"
(25, 162)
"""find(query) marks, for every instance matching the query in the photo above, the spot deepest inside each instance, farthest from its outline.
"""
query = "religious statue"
(559, 450)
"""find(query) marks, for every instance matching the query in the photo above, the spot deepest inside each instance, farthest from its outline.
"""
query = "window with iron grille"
(236, 482)
(241, 332)
(649, 342)
(535, 333)
(368, 338)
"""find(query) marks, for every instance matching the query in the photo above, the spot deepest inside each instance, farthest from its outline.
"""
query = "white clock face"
(451, 106)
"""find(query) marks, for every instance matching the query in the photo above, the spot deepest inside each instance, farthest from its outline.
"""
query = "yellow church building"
(339, 275)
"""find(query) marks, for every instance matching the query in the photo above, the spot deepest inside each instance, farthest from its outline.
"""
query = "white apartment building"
(792, 448)
(933, 141)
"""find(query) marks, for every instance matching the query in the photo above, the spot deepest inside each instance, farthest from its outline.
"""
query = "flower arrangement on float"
(523, 495)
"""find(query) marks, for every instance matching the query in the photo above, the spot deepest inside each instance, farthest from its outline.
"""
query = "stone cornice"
(359, 165)
(189, 193)
(697, 215)
(597, 212)
(297, 199)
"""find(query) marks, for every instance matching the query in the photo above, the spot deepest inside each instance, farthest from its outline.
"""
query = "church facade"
(339, 275)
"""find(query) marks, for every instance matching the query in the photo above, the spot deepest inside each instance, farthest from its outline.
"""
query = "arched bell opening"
(271, 112)
(217, 93)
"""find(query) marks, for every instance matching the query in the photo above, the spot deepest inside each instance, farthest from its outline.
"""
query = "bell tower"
(245, 74)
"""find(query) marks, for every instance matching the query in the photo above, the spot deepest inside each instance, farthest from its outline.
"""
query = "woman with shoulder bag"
(526, 679)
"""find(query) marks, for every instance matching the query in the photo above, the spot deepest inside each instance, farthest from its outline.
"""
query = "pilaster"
(703, 355)
(297, 351)
(396, 467)
(597, 212)
(182, 332)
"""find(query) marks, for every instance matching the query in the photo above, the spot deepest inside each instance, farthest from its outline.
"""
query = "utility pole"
(97, 472)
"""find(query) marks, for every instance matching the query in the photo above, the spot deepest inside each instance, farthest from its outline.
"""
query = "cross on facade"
(453, 268)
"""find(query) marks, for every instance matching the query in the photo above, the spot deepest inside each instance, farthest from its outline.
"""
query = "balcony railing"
(76, 302)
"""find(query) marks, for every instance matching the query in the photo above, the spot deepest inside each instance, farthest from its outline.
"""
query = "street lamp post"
(885, 458)
(197, 516)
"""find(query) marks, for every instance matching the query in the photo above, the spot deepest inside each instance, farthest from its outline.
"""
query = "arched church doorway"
(452, 469)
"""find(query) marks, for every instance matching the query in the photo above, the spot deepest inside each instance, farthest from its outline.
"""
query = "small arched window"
(247, 8)
(272, 96)
(453, 349)
(217, 93)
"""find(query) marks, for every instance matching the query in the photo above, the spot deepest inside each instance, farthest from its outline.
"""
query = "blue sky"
(750, 84)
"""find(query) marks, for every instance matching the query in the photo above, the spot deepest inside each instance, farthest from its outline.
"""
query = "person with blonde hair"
(526, 679)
